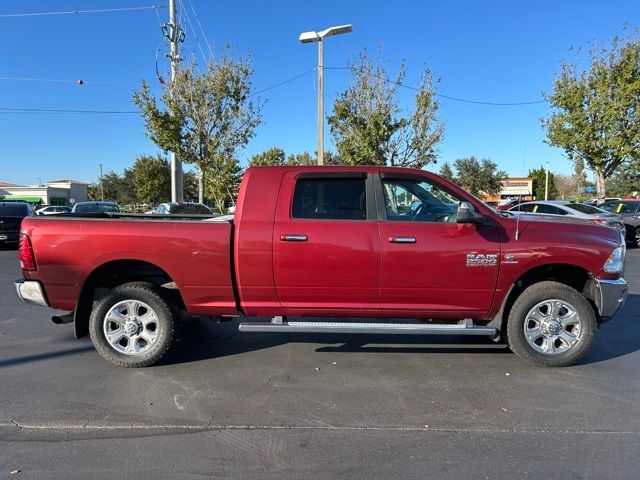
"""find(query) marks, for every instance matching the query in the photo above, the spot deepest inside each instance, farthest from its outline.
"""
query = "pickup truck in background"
(378, 242)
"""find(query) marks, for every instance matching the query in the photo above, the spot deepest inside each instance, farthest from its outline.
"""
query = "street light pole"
(101, 184)
(310, 37)
(546, 184)
(320, 102)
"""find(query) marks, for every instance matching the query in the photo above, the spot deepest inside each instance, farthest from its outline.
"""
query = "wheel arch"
(117, 272)
(573, 276)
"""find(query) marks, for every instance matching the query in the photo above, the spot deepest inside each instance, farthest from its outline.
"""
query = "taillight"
(601, 221)
(25, 253)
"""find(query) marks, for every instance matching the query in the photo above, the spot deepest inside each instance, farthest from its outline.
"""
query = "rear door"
(432, 266)
(325, 243)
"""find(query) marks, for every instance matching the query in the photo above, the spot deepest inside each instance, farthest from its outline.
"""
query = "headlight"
(615, 262)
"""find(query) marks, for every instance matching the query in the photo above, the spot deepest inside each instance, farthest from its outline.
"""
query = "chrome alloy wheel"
(131, 327)
(552, 327)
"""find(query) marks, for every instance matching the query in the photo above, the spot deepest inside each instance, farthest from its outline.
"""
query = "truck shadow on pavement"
(204, 340)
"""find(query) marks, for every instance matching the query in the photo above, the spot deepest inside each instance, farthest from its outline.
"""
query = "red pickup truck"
(376, 242)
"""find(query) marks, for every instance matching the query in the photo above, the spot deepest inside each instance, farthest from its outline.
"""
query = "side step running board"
(462, 328)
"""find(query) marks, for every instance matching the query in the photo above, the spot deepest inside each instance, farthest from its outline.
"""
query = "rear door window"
(330, 199)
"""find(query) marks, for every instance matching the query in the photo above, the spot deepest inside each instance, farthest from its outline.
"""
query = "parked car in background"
(53, 210)
(507, 205)
(629, 210)
(95, 207)
(11, 215)
(572, 210)
(182, 208)
(595, 201)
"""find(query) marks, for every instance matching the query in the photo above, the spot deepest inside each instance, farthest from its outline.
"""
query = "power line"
(77, 12)
(448, 97)
(204, 35)
(64, 110)
(182, 13)
(80, 82)
(283, 82)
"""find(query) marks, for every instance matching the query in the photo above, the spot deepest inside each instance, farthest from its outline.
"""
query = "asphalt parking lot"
(231, 405)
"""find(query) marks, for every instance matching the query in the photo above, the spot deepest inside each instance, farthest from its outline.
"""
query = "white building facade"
(55, 192)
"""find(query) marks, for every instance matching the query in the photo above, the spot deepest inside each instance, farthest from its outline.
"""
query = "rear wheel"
(636, 237)
(551, 325)
(133, 326)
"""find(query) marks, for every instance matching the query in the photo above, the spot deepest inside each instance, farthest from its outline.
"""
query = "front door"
(325, 243)
(432, 266)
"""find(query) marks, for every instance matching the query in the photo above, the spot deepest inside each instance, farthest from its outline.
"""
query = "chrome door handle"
(402, 239)
(293, 238)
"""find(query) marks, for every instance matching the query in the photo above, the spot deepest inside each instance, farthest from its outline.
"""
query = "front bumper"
(608, 295)
(31, 291)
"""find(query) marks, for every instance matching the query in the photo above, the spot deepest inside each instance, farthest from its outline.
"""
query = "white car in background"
(53, 210)
(565, 209)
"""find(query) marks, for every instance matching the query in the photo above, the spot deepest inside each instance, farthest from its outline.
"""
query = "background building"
(55, 192)
(517, 187)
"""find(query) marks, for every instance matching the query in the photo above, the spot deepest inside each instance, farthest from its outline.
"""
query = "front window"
(412, 200)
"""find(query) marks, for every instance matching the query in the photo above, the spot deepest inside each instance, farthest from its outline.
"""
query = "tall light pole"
(174, 33)
(546, 184)
(101, 184)
(310, 37)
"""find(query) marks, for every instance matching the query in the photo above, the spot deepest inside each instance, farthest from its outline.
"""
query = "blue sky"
(489, 51)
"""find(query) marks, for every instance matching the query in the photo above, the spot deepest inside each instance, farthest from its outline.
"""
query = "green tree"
(478, 176)
(111, 183)
(626, 180)
(539, 176)
(93, 191)
(447, 172)
(369, 127)
(275, 156)
(579, 174)
(128, 194)
(597, 111)
(272, 157)
(205, 117)
(305, 158)
(152, 179)
(191, 186)
(224, 174)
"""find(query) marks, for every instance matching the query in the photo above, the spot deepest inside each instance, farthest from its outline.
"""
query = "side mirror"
(467, 214)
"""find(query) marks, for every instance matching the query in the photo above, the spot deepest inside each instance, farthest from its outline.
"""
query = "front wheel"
(551, 325)
(133, 325)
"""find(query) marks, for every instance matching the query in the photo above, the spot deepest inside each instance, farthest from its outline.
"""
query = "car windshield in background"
(188, 209)
(14, 210)
(93, 208)
(582, 208)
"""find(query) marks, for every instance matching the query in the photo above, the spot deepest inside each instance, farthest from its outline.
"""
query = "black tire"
(164, 311)
(530, 298)
(635, 240)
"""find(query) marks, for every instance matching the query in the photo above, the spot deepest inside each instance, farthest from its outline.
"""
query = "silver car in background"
(571, 210)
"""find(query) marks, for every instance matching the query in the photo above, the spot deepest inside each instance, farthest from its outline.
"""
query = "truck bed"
(193, 252)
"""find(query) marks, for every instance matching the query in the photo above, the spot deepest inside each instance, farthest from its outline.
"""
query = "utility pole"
(546, 184)
(175, 36)
(101, 184)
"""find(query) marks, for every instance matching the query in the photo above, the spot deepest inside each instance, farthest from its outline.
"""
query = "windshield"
(96, 208)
